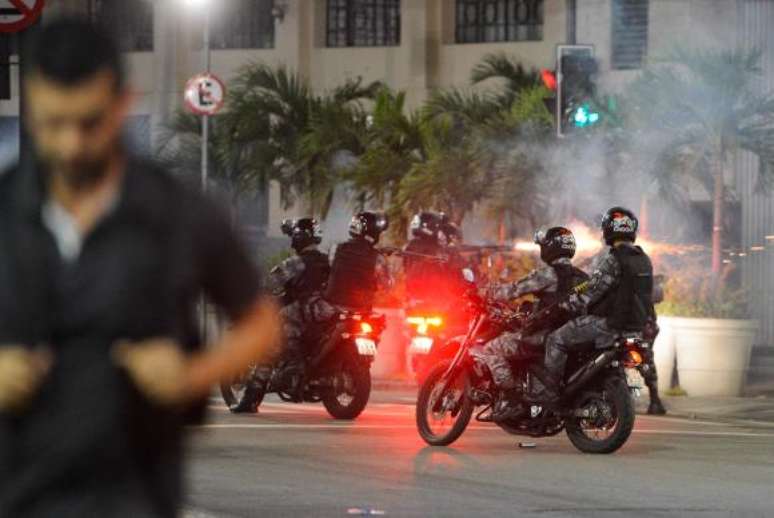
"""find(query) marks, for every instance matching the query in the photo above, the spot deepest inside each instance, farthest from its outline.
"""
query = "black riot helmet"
(368, 225)
(554, 243)
(425, 225)
(619, 224)
(303, 232)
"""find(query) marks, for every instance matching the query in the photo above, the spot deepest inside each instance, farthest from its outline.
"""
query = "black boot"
(508, 405)
(545, 390)
(249, 402)
(656, 407)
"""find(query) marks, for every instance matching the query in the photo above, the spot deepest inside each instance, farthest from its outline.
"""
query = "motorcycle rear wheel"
(457, 417)
(349, 396)
(614, 402)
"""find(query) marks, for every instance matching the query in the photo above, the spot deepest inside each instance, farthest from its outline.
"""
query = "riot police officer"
(423, 274)
(549, 284)
(618, 299)
(304, 274)
(359, 269)
(299, 279)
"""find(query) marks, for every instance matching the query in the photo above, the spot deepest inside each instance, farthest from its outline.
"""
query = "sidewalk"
(759, 408)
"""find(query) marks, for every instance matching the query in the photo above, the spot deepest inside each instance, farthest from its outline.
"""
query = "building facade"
(417, 46)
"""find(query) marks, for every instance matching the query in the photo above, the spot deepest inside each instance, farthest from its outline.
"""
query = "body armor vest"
(629, 306)
(353, 275)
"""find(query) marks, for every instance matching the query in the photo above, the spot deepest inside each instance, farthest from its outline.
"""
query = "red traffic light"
(549, 78)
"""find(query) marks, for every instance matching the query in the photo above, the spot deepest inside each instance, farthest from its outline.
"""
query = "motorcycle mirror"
(468, 275)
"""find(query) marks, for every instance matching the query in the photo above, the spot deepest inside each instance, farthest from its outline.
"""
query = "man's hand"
(573, 305)
(22, 370)
(158, 367)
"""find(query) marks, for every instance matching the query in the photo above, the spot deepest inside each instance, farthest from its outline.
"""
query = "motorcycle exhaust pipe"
(588, 371)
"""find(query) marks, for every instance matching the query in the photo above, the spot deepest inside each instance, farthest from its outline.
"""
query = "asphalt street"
(294, 460)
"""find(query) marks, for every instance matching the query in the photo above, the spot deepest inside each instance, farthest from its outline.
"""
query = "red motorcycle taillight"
(633, 358)
(366, 328)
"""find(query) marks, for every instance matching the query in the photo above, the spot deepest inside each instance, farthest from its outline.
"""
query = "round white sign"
(205, 94)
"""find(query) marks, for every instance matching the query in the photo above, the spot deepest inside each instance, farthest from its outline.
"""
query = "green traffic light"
(584, 116)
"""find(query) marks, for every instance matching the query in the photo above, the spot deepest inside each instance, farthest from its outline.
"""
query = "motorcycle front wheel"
(442, 417)
(610, 418)
(351, 389)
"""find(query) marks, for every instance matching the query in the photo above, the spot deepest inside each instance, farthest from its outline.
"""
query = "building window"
(481, 21)
(363, 23)
(130, 21)
(243, 24)
(630, 33)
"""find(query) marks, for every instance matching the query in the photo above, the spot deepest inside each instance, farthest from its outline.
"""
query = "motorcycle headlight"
(365, 346)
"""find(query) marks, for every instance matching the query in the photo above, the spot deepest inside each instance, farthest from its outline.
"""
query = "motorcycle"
(596, 409)
(337, 371)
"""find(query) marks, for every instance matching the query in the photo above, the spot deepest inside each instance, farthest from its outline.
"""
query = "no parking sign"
(17, 15)
(205, 94)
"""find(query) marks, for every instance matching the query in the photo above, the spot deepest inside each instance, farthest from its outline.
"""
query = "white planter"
(664, 352)
(713, 355)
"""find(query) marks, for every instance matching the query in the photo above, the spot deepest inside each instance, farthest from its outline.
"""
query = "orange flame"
(589, 242)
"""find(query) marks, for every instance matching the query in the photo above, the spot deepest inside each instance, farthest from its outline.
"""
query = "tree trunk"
(718, 207)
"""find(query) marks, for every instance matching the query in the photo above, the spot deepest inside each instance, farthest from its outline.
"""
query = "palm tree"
(179, 149)
(518, 139)
(706, 105)
(505, 68)
(450, 178)
(393, 144)
(296, 134)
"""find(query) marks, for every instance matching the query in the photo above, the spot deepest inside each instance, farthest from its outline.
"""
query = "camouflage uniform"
(587, 328)
(497, 353)
(315, 310)
(297, 311)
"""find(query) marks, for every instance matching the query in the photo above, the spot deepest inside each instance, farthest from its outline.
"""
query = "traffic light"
(583, 116)
(550, 82)
(576, 90)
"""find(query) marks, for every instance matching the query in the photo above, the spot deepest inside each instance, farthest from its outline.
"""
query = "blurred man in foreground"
(103, 259)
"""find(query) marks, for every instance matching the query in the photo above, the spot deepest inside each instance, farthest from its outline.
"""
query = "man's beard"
(81, 174)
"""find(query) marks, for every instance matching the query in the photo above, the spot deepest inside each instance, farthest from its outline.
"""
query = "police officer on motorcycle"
(298, 279)
(359, 269)
(549, 285)
(618, 299)
(423, 273)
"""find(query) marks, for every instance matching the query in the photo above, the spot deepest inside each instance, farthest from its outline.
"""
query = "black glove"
(573, 305)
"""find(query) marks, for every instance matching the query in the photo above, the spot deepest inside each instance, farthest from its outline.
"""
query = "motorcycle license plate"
(365, 346)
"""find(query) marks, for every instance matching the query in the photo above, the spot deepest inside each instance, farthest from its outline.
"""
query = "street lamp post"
(206, 118)
(204, 5)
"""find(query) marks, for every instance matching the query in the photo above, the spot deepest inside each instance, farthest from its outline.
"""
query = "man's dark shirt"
(91, 444)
